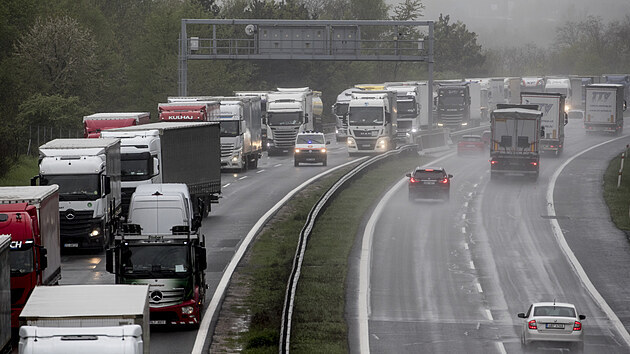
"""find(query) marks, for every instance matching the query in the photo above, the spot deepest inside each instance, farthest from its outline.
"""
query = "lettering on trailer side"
(543, 107)
(601, 96)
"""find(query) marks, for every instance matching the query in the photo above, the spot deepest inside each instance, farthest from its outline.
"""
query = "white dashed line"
(465, 204)
(476, 184)
(465, 245)
(489, 314)
(501, 347)
(242, 178)
(260, 171)
(226, 185)
(463, 230)
(470, 194)
(479, 287)
(464, 216)
(472, 265)
(278, 165)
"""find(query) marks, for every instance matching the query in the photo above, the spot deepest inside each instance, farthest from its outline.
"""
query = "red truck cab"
(194, 111)
(97, 122)
(34, 227)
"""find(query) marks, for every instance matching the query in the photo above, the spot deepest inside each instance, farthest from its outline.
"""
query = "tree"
(456, 48)
(59, 55)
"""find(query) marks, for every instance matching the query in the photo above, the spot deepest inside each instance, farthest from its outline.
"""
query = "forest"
(62, 60)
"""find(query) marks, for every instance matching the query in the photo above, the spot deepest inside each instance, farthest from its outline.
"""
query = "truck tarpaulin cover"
(183, 113)
(94, 127)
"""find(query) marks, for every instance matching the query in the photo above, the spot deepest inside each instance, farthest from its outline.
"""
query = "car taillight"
(493, 162)
(532, 324)
(534, 163)
(445, 180)
(413, 180)
(577, 326)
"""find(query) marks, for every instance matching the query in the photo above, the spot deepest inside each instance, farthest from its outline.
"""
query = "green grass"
(319, 325)
(21, 173)
(618, 199)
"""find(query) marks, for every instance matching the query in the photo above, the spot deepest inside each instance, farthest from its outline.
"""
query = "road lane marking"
(501, 347)
(260, 171)
(465, 204)
(465, 245)
(278, 165)
(363, 299)
(242, 178)
(227, 184)
(489, 315)
(463, 230)
(577, 267)
(472, 265)
(478, 287)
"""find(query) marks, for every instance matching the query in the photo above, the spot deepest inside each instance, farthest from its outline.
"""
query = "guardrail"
(318, 208)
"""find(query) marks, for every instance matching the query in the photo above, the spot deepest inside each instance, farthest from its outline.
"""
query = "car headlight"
(95, 232)
(323, 150)
(187, 310)
(414, 130)
(297, 150)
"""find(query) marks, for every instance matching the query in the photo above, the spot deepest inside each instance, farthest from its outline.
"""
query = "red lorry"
(195, 111)
(94, 123)
(30, 215)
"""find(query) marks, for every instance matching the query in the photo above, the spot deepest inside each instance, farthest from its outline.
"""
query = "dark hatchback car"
(429, 183)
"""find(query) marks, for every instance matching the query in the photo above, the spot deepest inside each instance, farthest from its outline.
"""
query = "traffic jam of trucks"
(130, 190)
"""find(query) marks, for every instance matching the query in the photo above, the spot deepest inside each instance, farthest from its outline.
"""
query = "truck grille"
(75, 223)
(284, 138)
(366, 144)
(165, 297)
(226, 149)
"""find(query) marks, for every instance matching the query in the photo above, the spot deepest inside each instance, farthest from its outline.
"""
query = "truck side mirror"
(43, 258)
(566, 118)
(34, 180)
(201, 257)
(156, 166)
(542, 132)
(196, 221)
(108, 185)
(625, 105)
(109, 260)
(264, 121)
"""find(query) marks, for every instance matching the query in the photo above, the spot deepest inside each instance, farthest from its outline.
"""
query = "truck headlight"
(567, 107)
(351, 141)
(235, 158)
(187, 310)
(440, 124)
(414, 130)
(464, 124)
(381, 143)
(95, 232)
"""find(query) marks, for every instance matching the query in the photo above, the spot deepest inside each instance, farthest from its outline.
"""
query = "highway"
(245, 198)
(450, 277)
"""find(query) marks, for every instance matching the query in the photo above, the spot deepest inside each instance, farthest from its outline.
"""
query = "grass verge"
(259, 282)
(618, 199)
(21, 173)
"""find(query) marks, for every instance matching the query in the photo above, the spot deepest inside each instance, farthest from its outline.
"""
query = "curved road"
(450, 277)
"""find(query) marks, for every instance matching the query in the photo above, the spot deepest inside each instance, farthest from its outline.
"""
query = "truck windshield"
(75, 187)
(407, 108)
(155, 261)
(229, 128)
(284, 118)
(136, 168)
(341, 109)
(366, 116)
(21, 260)
(451, 97)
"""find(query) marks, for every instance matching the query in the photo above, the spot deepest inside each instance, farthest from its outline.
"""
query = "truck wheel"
(325, 162)
(296, 164)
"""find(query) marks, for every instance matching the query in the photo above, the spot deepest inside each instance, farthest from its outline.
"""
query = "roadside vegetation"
(21, 173)
(319, 324)
(618, 199)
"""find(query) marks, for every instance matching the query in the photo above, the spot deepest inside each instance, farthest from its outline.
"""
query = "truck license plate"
(158, 322)
(71, 245)
(365, 145)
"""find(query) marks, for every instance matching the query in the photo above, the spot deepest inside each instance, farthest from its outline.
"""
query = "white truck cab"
(310, 147)
(160, 208)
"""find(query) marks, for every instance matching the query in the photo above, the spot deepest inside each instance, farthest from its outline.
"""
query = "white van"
(94, 340)
(160, 208)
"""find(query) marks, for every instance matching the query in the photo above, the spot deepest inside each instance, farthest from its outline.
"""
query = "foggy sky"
(518, 22)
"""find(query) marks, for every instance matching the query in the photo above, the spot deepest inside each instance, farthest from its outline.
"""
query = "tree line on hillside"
(65, 59)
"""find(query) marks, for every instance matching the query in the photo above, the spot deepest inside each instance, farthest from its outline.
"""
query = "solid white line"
(260, 171)
(501, 347)
(242, 178)
(489, 314)
(363, 299)
(465, 245)
(557, 231)
(227, 184)
(204, 327)
(278, 165)
(472, 265)
(478, 287)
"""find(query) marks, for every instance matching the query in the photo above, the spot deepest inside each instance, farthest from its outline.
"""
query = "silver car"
(552, 322)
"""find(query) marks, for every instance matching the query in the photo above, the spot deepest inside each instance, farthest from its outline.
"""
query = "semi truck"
(200, 111)
(604, 108)
(5, 294)
(95, 123)
(240, 118)
(560, 85)
(340, 110)
(620, 79)
(80, 312)
(534, 84)
(289, 112)
(372, 122)
(553, 120)
(87, 172)
(512, 90)
(515, 138)
(161, 247)
(318, 111)
(175, 152)
(409, 105)
(453, 105)
(30, 215)
(263, 108)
